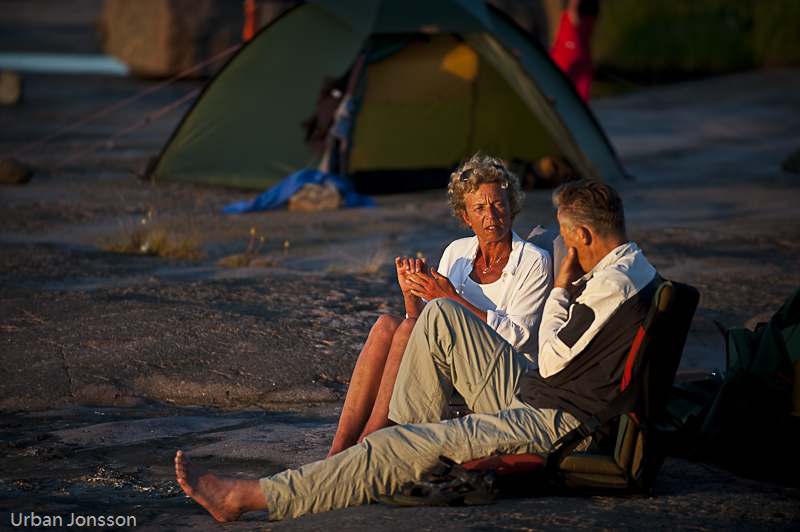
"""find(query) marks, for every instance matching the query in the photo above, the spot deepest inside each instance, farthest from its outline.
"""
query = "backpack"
(758, 404)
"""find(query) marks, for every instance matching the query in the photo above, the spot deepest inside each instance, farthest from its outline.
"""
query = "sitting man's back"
(590, 319)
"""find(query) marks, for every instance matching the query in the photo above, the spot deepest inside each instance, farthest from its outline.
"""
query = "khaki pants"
(449, 348)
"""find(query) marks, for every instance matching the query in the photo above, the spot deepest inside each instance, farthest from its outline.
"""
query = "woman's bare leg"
(225, 498)
(380, 411)
(365, 383)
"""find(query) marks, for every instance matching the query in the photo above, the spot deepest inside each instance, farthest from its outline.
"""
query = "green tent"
(391, 87)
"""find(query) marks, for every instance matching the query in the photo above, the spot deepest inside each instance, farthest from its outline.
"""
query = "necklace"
(495, 262)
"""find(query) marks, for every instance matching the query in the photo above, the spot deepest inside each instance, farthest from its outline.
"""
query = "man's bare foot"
(225, 498)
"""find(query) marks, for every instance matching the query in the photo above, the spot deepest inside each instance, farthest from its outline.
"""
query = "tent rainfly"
(386, 92)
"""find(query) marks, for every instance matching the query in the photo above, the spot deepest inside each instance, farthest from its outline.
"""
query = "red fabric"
(251, 22)
(637, 344)
(507, 463)
(571, 52)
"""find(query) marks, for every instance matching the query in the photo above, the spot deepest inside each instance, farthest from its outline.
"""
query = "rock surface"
(113, 362)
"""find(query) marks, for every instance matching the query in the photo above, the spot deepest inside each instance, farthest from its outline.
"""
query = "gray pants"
(449, 348)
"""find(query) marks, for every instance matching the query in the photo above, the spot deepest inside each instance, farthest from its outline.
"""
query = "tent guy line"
(146, 120)
(123, 103)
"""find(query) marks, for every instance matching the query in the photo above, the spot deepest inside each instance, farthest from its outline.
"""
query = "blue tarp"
(277, 196)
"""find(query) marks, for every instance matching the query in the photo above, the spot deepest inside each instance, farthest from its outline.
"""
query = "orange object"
(251, 19)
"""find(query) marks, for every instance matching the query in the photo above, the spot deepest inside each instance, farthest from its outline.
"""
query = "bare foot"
(225, 498)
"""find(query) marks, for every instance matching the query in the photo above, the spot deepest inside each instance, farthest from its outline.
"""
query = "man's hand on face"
(569, 272)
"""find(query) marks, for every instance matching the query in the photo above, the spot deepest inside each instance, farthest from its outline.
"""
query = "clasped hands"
(418, 279)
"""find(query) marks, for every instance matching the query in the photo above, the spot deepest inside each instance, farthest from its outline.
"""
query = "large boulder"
(10, 87)
(160, 38)
(12, 172)
(314, 197)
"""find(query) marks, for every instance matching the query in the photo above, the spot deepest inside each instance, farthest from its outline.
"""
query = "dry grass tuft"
(250, 256)
(240, 259)
(373, 263)
(156, 240)
(370, 264)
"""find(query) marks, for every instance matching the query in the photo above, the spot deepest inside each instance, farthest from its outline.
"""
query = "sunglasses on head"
(466, 174)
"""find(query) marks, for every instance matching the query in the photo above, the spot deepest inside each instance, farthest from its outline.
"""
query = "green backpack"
(757, 405)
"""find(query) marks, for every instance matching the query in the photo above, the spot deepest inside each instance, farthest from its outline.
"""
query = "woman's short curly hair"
(482, 170)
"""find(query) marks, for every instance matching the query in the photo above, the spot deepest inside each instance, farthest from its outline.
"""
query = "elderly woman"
(495, 274)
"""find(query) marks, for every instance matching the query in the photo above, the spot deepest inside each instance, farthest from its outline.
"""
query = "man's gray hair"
(592, 204)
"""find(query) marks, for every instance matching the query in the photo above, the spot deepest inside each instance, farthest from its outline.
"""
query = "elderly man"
(601, 296)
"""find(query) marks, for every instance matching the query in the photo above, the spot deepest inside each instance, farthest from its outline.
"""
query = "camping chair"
(643, 434)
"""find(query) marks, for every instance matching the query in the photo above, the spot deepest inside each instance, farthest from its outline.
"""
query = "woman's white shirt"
(526, 280)
(484, 296)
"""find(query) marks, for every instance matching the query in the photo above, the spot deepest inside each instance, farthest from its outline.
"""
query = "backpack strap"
(622, 404)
